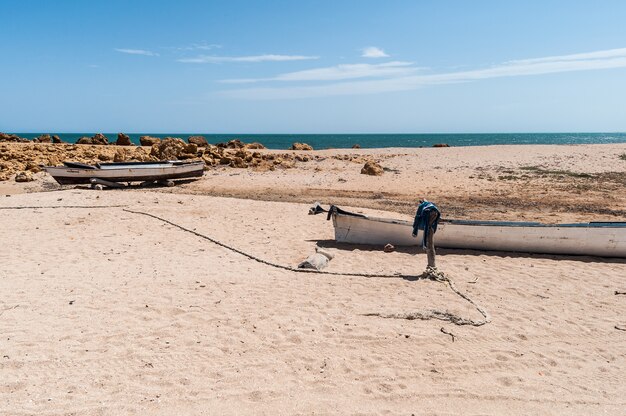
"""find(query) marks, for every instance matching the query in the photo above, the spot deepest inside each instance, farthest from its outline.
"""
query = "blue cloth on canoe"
(422, 217)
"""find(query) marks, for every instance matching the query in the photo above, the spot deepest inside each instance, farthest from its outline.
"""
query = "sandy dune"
(107, 312)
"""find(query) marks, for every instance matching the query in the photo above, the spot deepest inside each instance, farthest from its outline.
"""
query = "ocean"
(326, 141)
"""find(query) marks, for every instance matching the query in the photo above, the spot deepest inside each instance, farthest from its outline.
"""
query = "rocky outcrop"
(148, 140)
(123, 140)
(24, 177)
(232, 144)
(372, 168)
(199, 141)
(96, 139)
(301, 146)
(84, 140)
(254, 146)
(16, 157)
(441, 145)
(29, 156)
(12, 138)
(32, 166)
(56, 139)
(99, 139)
(172, 148)
(44, 138)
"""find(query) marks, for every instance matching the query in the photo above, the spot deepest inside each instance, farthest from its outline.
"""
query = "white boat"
(78, 173)
(605, 239)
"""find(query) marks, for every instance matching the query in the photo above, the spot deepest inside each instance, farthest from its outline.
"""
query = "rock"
(235, 144)
(84, 140)
(105, 157)
(172, 148)
(441, 145)
(99, 139)
(149, 141)
(389, 248)
(316, 261)
(123, 140)
(120, 155)
(238, 162)
(56, 139)
(356, 146)
(300, 146)
(12, 138)
(44, 138)
(24, 177)
(32, 167)
(255, 145)
(302, 158)
(372, 168)
(199, 141)
(225, 160)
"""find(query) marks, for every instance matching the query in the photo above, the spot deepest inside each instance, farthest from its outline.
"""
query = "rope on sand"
(434, 274)
(430, 273)
(68, 206)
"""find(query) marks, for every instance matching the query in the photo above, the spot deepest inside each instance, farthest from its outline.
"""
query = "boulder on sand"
(56, 139)
(441, 145)
(199, 141)
(254, 145)
(100, 139)
(123, 140)
(84, 140)
(24, 177)
(44, 138)
(12, 138)
(372, 168)
(301, 146)
(148, 140)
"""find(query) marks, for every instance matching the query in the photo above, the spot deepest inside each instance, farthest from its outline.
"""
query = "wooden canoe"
(605, 239)
(78, 173)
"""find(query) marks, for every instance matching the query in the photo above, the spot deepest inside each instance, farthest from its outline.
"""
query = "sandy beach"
(104, 311)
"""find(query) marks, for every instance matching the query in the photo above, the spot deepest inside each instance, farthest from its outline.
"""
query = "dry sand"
(107, 312)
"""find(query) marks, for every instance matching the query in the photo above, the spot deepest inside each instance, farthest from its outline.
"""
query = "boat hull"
(139, 173)
(593, 239)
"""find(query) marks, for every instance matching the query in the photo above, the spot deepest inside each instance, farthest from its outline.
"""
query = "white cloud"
(137, 52)
(339, 72)
(614, 58)
(207, 59)
(202, 46)
(373, 52)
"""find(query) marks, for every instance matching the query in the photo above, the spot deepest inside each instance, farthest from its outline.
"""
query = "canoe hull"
(141, 173)
(592, 239)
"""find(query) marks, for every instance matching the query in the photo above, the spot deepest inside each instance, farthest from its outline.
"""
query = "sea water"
(338, 141)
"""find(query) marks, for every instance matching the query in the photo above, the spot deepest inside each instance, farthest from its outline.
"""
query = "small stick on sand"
(448, 333)
(620, 292)
(621, 327)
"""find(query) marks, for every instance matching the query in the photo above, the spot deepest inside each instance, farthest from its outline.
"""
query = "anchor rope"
(430, 273)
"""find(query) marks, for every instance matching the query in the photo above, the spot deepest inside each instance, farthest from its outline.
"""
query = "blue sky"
(312, 66)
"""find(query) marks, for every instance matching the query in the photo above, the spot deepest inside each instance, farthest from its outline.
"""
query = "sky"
(303, 66)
